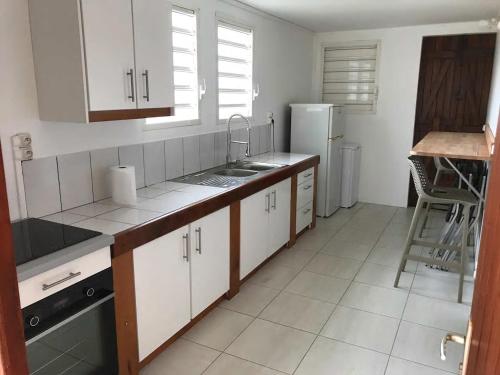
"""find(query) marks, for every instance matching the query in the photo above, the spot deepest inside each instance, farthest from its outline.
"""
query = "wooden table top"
(470, 146)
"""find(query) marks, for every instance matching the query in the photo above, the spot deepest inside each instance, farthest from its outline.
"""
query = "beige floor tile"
(298, 312)
(375, 274)
(449, 316)
(229, 365)
(399, 366)
(360, 328)
(251, 299)
(182, 358)
(378, 300)
(272, 345)
(441, 288)
(314, 240)
(348, 249)
(329, 265)
(421, 344)
(329, 357)
(324, 288)
(293, 258)
(391, 257)
(273, 276)
(218, 329)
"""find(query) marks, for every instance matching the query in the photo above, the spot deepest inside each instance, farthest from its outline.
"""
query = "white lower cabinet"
(209, 260)
(265, 225)
(177, 276)
(163, 301)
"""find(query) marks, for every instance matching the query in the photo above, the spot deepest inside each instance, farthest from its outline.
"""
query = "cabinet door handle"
(185, 256)
(130, 73)
(274, 200)
(71, 275)
(307, 187)
(198, 247)
(146, 77)
(268, 202)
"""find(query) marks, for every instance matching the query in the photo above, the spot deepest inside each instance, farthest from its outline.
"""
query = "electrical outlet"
(21, 140)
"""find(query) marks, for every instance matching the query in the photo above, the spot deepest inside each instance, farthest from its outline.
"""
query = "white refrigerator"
(319, 129)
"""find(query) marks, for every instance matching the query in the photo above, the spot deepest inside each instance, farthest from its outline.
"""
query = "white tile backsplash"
(154, 162)
(41, 186)
(134, 155)
(191, 149)
(207, 151)
(83, 178)
(101, 161)
(75, 180)
(174, 158)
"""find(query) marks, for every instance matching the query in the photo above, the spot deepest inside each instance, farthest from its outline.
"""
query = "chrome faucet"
(230, 141)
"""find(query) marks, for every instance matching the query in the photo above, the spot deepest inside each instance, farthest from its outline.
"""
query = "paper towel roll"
(123, 188)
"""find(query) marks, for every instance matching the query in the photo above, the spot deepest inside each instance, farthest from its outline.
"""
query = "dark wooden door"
(483, 352)
(454, 86)
(12, 347)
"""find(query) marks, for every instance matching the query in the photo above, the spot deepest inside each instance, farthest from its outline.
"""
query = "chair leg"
(463, 252)
(428, 208)
(409, 239)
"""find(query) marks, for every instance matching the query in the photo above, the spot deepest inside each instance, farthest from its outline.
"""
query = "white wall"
(386, 137)
(494, 104)
(283, 65)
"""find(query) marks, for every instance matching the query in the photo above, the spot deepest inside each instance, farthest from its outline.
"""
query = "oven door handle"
(71, 275)
(70, 319)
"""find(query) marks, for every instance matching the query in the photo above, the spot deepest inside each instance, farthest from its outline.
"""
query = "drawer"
(305, 192)
(47, 283)
(304, 217)
(306, 175)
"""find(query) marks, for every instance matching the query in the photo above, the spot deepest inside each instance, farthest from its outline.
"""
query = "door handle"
(454, 337)
(307, 187)
(274, 199)
(71, 275)
(146, 77)
(335, 138)
(130, 73)
(185, 256)
(268, 202)
(198, 247)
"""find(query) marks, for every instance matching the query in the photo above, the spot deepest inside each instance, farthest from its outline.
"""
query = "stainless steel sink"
(235, 172)
(257, 166)
(226, 177)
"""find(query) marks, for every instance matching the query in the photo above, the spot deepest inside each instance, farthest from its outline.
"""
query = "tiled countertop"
(156, 200)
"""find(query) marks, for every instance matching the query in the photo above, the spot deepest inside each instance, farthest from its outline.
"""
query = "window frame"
(354, 43)
(231, 21)
(181, 123)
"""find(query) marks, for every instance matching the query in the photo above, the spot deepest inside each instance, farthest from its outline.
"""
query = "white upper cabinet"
(99, 60)
(109, 52)
(153, 50)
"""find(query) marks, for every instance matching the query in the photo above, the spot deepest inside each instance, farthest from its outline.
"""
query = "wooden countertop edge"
(139, 235)
(490, 138)
(454, 156)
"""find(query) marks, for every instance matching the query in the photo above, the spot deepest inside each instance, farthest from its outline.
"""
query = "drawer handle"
(71, 275)
(307, 187)
(306, 211)
(185, 256)
(198, 248)
(308, 175)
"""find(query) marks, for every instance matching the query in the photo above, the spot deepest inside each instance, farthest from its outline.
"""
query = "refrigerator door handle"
(335, 138)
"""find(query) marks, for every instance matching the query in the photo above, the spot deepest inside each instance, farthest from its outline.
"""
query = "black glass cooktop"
(35, 238)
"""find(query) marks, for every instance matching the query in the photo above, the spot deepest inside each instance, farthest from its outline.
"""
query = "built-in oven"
(73, 330)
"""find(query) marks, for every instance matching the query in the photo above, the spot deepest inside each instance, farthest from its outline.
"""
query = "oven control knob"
(89, 292)
(33, 320)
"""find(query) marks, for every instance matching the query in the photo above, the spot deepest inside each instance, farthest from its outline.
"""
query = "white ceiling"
(332, 15)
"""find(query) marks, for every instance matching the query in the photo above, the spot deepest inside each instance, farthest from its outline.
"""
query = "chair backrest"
(419, 174)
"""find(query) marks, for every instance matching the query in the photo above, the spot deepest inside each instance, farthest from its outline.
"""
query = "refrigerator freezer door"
(310, 130)
(334, 176)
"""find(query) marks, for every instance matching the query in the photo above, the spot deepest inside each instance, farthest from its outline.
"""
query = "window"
(234, 60)
(350, 76)
(185, 58)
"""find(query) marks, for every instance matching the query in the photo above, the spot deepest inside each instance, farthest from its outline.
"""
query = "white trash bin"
(351, 164)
